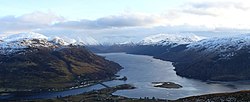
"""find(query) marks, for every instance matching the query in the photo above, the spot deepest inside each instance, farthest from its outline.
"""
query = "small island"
(170, 85)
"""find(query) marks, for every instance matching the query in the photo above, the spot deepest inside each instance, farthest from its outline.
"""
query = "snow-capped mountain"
(28, 60)
(226, 46)
(220, 59)
(18, 42)
(169, 39)
(23, 36)
(87, 40)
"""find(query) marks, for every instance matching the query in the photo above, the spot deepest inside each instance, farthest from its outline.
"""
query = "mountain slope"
(34, 63)
(223, 59)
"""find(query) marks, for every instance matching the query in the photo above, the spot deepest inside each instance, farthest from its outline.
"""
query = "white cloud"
(213, 14)
(114, 21)
(41, 18)
(28, 22)
(196, 15)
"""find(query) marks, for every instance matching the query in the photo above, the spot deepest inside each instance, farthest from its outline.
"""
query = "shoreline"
(106, 94)
(30, 92)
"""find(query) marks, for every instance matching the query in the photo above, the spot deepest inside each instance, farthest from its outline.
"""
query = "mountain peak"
(24, 36)
(222, 44)
(19, 42)
(169, 39)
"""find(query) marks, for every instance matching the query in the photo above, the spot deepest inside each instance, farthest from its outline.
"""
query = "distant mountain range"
(223, 59)
(32, 61)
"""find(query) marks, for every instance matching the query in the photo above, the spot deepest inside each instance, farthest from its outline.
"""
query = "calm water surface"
(142, 70)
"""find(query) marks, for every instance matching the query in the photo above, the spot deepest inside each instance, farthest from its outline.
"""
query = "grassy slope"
(49, 68)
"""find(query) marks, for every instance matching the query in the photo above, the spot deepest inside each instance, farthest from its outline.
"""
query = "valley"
(142, 77)
(124, 51)
(82, 71)
(215, 59)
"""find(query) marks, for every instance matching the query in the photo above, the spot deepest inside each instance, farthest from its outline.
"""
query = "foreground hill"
(241, 96)
(33, 62)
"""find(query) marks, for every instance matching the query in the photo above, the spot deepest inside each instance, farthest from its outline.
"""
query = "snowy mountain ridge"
(19, 42)
(169, 39)
(23, 36)
(225, 46)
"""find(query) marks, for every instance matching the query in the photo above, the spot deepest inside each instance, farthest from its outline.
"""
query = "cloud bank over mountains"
(28, 22)
(193, 16)
(114, 21)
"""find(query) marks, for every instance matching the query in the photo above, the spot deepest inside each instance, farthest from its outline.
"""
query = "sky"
(86, 9)
(124, 20)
